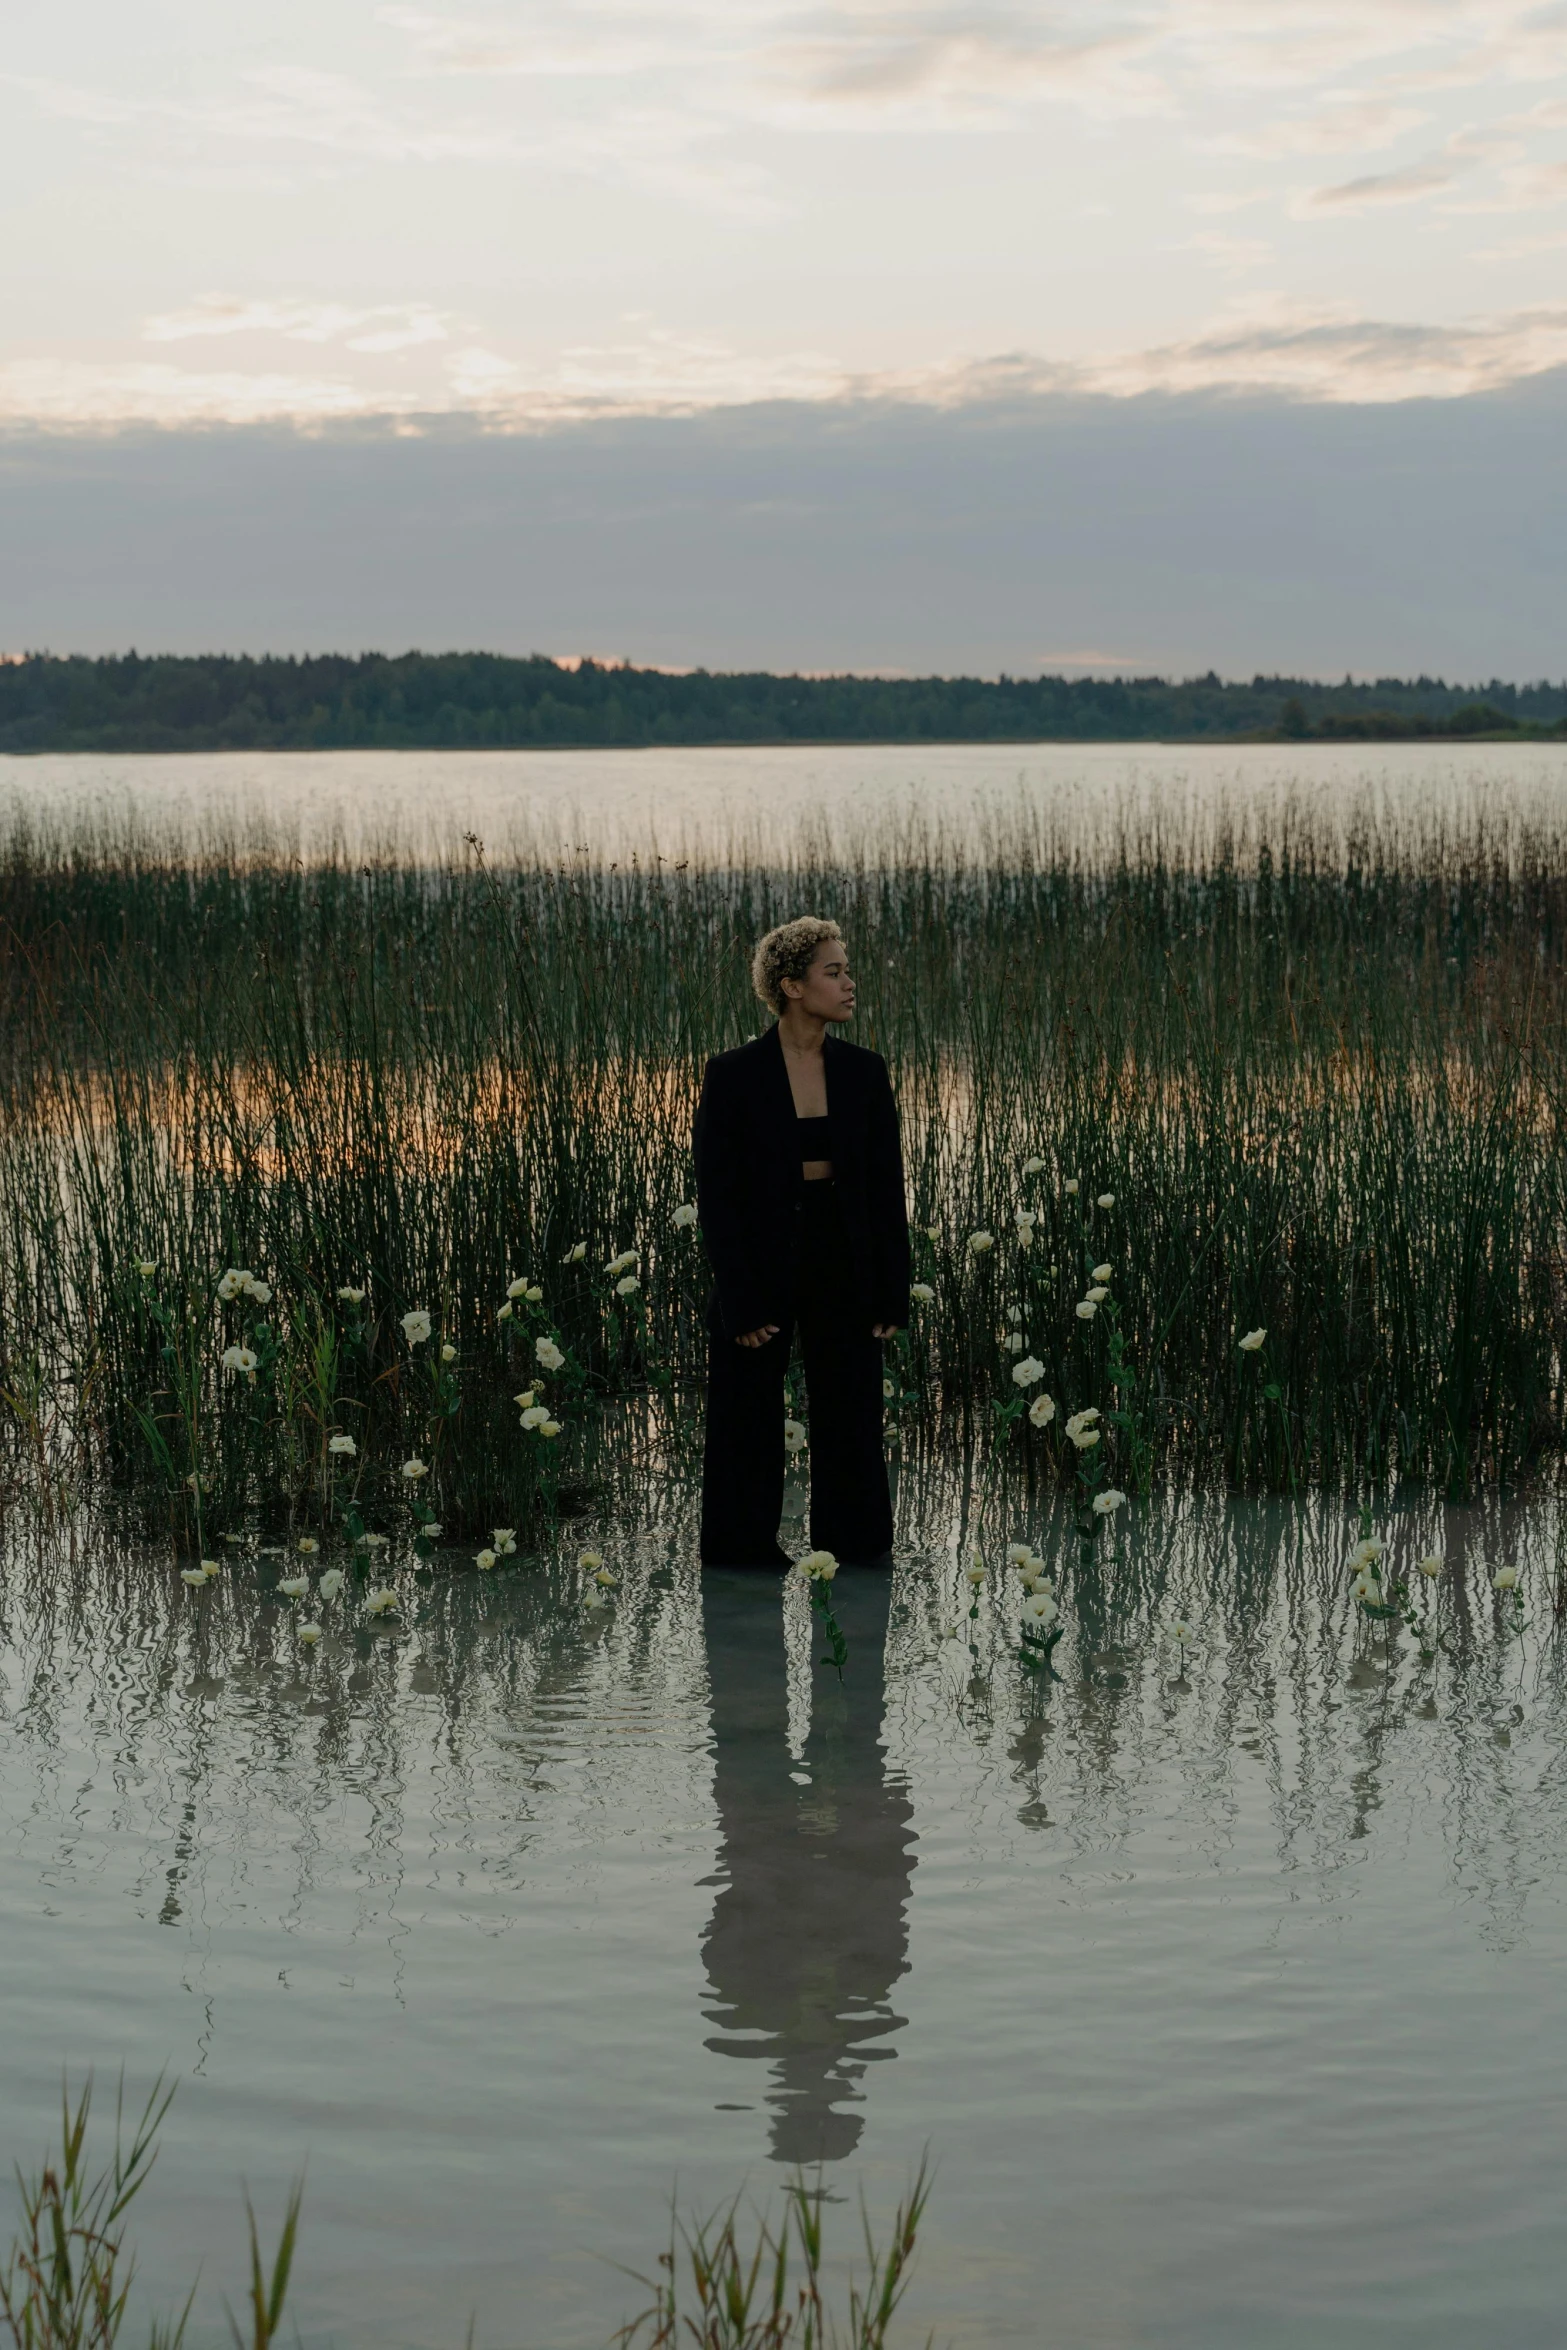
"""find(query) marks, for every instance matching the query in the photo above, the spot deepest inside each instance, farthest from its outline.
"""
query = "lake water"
(703, 803)
(1225, 1990)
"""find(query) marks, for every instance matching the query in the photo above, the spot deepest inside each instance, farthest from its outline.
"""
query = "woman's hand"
(759, 1337)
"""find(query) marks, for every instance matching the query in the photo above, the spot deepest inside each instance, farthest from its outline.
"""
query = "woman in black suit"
(799, 1176)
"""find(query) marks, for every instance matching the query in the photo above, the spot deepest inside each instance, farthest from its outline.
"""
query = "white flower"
(1033, 1166)
(1084, 1438)
(503, 1313)
(535, 1415)
(1366, 1553)
(194, 1577)
(1106, 1199)
(1042, 1411)
(1095, 1296)
(1040, 1608)
(146, 1267)
(1505, 1579)
(1180, 1633)
(429, 1531)
(309, 1545)
(415, 1469)
(1022, 1217)
(1028, 1372)
(307, 1635)
(331, 1583)
(607, 1578)
(342, 1444)
(626, 1284)
(1100, 1273)
(416, 1327)
(484, 1559)
(211, 1569)
(548, 1354)
(593, 1597)
(1019, 1554)
(351, 1297)
(259, 1290)
(888, 1391)
(1025, 1234)
(523, 1401)
(381, 1601)
(237, 1358)
(1083, 1419)
(294, 1586)
(533, 1293)
(504, 1535)
(794, 1436)
(1013, 1341)
(448, 1354)
(549, 1427)
(371, 1541)
(978, 1242)
(590, 1561)
(1432, 1566)
(921, 1292)
(519, 1287)
(975, 1570)
(1014, 1313)
(684, 1216)
(1107, 1503)
(232, 1283)
(574, 1256)
(817, 1566)
(933, 1232)
(622, 1263)
(1368, 1592)
(1250, 1344)
(1087, 1310)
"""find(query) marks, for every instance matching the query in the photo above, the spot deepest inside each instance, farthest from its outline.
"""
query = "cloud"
(1362, 126)
(78, 394)
(954, 61)
(385, 326)
(1404, 186)
(1235, 255)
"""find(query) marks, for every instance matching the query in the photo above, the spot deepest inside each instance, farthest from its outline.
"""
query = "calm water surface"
(1227, 1993)
(707, 803)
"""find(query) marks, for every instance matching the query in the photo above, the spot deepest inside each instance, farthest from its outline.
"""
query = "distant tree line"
(489, 701)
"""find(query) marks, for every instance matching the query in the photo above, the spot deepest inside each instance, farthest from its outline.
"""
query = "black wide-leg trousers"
(743, 1455)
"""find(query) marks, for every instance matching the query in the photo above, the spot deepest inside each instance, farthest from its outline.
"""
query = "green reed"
(1323, 1079)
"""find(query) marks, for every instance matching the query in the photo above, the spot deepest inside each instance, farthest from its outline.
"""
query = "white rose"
(1252, 1341)
(1505, 1579)
(1033, 1166)
(484, 1559)
(921, 1292)
(1042, 1410)
(1100, 1273)
(548, 1354)
(1070, 1187)
(352, 1297)
(307, 1635)
(342, 1444)
(1087, 1310)
(416, 1327)
(1432, 1566)
(331, 1583)
(978, 1242)
(1106, 1199)
(1095, 1296)
(626, 1285)
(684, 1216)
(1028, 1372)
(294, 1586)
(415, 1469)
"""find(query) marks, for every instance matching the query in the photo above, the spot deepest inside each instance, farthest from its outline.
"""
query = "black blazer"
(748, 1180)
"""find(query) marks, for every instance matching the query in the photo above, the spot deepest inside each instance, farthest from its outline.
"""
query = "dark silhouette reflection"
(807, 1936)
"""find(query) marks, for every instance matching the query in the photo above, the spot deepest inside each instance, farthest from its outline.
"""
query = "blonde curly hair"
(788, 953)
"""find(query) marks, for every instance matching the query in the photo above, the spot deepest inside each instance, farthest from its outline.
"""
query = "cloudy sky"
(357, 226)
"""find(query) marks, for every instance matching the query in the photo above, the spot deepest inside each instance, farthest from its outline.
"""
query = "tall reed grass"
(1322, 1076)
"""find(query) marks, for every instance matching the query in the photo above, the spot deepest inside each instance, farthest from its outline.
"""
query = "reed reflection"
(808, 1933)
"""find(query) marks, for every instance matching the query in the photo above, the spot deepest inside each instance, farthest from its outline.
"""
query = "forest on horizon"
(492, 701)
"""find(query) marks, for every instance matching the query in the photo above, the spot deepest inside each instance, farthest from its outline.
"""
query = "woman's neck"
(801, 1032)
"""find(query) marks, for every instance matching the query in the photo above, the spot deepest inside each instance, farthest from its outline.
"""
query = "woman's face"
(826, 991)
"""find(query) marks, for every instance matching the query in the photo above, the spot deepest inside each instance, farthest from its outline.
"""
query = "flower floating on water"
(794, 1434)
(448, 1354)
(308, 1544)
(684, 1216)
(1033, 1166)
(1432, 1566)
(621, 1263)
(979, 1242)
(817, 1566)
(342, 1444)
(415, 1469)
(921, 1292)
(331, 1583)
(1106, 1199)
(1107, 1503)
(1251, 1343)
(1505, 1579)
(235, 1359)
(1087, 1310)
(1071, 1187)
(484, 1560)
(626, 1284)
(351, 1296)
(1101, 1273)
(548, 1354)
(574, 1256)
(1028, 1372)
(294, 1586)
(381, 1601)
(307, 1635)
(416, 1327)
(1042, 1411)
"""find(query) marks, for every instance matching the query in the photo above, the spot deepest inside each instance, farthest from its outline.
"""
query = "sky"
(337, 248)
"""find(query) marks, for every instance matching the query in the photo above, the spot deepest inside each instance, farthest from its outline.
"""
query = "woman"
(799, 1178)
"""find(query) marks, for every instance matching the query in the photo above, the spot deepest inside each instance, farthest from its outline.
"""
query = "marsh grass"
(1321, 1073)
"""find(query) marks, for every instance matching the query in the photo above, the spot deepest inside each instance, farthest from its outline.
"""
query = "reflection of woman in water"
(807, 1937)
(799, 1176)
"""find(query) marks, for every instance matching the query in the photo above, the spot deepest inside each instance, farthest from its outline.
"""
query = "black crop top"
(815, 1137)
